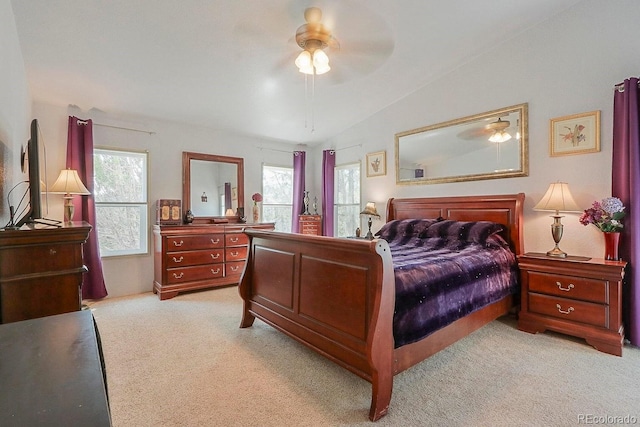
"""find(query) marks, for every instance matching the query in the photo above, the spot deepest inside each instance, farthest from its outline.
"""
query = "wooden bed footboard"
(335, 296)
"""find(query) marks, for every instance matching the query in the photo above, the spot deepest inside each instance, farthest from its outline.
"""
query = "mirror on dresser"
(212, 187)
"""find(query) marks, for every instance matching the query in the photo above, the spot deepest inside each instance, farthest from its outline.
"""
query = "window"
(120, 191)
(277, 197)
(347, 199)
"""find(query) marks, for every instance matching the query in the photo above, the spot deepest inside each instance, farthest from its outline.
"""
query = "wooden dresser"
(311, 224)
(576, 296)
(41, 271)
(191, 257)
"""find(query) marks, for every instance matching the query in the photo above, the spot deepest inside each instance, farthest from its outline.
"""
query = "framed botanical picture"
(576, 134)
(377, 163)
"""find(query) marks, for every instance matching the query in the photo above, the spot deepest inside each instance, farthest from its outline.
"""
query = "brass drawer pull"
(569, 310)
(234, 253)
(216, 271)
(234, 239)
(215, 242)
(215, 256)
(178, 244)
(176, 276)
(567, 289)
(178, 260)
(52, 252)
(234, 268)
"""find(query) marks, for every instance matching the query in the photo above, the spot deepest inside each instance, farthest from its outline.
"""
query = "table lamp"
(69, 184)
(370, 210)
(557, 199)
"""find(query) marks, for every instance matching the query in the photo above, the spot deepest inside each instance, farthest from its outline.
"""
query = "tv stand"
(41, 271)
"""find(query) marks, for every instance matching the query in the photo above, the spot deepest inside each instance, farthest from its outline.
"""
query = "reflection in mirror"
(212, 185)
(483, 146)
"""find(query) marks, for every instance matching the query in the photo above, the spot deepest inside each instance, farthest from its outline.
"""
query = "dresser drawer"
(236, 254)
(190, 274)
(186, 243)
(234, 268)
(183, 259)
(569, 287)
(40, 259)
(236, 239)
(568, 309)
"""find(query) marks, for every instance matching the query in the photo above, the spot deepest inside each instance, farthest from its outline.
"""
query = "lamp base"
(68, 209)
(557, 253)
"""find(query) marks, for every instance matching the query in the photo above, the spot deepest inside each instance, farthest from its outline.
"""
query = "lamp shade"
(68, 182)
(370, 209)
(558, 198)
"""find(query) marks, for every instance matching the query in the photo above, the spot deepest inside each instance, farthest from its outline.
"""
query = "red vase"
(611, 241)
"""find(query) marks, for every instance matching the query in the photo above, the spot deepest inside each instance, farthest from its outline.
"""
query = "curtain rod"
(84, 122)
(332, 149)
(620, 87)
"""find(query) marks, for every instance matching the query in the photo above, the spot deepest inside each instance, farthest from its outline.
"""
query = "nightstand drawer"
(568, 309)
(569, 287)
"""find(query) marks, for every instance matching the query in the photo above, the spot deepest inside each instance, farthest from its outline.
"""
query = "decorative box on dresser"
(311, 224)
(577, 296)
(191, 257)
(41, 271)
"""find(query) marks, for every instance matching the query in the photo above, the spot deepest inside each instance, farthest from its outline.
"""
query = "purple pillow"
(404, 228)
(468, 231)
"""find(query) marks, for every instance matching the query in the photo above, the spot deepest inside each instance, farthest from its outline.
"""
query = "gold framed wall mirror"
(488, 145)
(213, 187)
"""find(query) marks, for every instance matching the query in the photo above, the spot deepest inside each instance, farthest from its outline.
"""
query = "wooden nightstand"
(577, 296)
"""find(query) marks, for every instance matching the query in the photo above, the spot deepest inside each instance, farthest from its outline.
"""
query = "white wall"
(15, 110)
(134, 274)
(566, 65)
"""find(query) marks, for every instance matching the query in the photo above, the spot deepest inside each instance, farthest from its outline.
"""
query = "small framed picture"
(234, 193)
(377, 163)
(576, 134)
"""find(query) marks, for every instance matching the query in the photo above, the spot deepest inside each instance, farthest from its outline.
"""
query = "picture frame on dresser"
(575, 134)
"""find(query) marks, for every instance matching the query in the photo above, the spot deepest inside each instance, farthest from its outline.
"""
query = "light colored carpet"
(185, 362)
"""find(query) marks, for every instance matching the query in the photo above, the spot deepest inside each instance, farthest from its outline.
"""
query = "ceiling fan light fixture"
(499, 128)
(303, 61)
(500, 136)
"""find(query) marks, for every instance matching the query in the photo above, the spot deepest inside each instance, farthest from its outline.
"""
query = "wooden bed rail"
(336, 297)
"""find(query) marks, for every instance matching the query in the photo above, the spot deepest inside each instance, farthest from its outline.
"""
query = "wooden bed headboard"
(505, 209)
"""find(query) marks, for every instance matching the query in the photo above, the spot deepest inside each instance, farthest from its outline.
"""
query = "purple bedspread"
(445, 272)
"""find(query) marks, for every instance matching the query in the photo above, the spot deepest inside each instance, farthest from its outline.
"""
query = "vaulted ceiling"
(228, 64)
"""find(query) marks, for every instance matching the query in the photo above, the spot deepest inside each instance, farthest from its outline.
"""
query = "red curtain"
(80, 158)
(625, 184)
(298, 189)
(328, 178)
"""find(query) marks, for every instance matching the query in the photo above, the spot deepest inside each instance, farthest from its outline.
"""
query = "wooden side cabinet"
(311, 224)
(41, 271)
(577, 296)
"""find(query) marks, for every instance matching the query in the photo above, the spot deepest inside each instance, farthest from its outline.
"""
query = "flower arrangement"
(606, 215)
(257, 197)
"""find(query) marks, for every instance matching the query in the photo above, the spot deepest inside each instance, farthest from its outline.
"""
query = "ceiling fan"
(276, 35)
(313, 37)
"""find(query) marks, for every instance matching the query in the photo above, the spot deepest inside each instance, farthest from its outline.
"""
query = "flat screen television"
(35, 159)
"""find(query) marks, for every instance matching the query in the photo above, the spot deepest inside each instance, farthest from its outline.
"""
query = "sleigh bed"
(343, 299)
